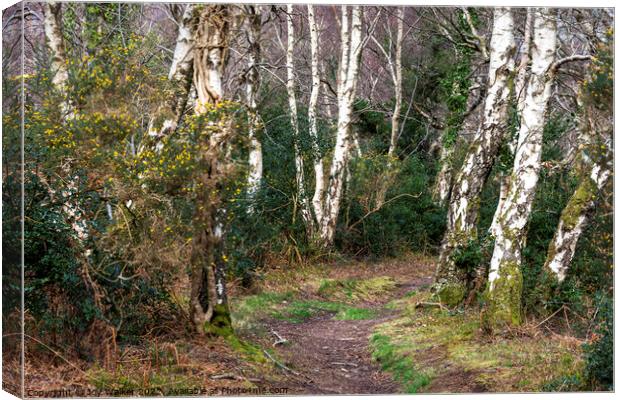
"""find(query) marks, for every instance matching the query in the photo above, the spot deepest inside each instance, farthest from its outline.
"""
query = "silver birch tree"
(505, 279)
(464, 203)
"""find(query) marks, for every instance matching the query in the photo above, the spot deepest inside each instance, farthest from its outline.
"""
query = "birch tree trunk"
(53, 34)
(596, 167)
(169, 114)
(451, 280)
(208, 301)
(351, 49)
(505, 279)
(443, 181)
(302, 197)
(319, 178)
(252, 82)
(397, 80)
(519, 93)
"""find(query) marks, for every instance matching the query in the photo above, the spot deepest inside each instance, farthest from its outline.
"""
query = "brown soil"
(328, 356)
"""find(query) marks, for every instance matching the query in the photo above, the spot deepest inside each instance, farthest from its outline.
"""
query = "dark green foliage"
(599, 352)
(412, 222)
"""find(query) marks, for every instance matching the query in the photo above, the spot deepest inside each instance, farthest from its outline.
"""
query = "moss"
(437, 343)
(451, 294)
(584, 194)
(356, 289)
(220, 324)
(504, 300)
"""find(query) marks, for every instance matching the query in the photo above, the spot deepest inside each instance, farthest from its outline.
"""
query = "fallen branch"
(279, 364)
(280, 340)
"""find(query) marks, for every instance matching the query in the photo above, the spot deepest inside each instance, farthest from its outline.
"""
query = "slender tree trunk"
(302, 197)
(443, 181)
(168, 115)
(351, 42)
(397, 78)
(208, 301)
(505, 279)
(596, 166)
(451, 280)
(398, 81)
(252, 82)
(519, 92)
(319, 178)
(53, 34)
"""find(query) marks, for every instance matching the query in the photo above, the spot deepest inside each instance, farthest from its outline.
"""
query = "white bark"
(319, 178)
(573, 221)
(351, 48)
(505, 280)
(53, 35)
(170, 112)
(302, 197)
(520, 86)
(398, 82)
(252, 81)
(596, 133)
(464, 202)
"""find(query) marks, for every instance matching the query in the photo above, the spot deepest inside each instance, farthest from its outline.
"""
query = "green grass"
(352, 290)
(249, 310)
(504, 364)
(299, 311)
(399, 365)
(352, 313)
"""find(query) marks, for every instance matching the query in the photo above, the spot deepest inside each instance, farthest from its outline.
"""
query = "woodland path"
(333, 356)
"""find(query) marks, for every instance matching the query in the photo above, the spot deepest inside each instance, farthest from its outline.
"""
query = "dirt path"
(333, 356)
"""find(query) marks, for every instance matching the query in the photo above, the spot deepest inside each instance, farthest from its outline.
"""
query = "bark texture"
(319, 175)
(168, 115)
(53, 35)
(208, 301)
(252, 83)
(505, 279)
(351, 52)
(595, 167)
(300, 180)
(451, 280)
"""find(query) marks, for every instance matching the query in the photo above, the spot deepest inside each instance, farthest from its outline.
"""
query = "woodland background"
(171, 151)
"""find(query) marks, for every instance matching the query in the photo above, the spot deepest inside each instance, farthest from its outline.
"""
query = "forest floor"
(336, 328)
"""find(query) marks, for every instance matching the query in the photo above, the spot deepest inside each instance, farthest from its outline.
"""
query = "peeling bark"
(169, 114)
(451, 281)
(351, 49)
(519, 93)
(505, 280)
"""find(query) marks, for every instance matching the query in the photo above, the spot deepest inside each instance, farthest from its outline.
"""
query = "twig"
(345, 363)
(279, 364)
(549, 317)
(280, 340)
(379, 208)
(226, 376)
